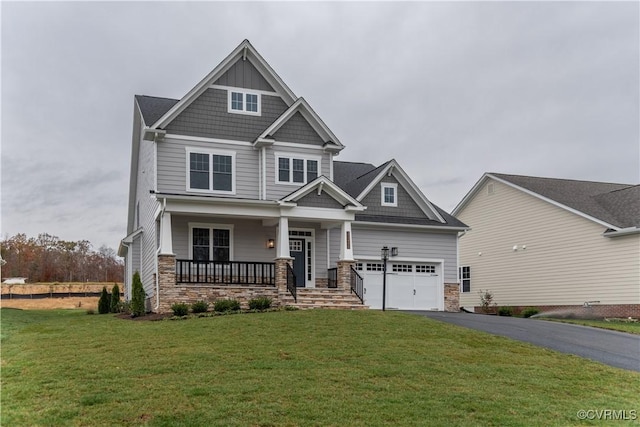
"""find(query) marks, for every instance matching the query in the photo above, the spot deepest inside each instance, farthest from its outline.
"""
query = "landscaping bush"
(530, 311)
(486, 301)
(124, 307)
(200, 307)
(115, 299)
(180, 309)
(505, 311)
(104, 302)
(137, 296)
(260, 303)
(223, 305)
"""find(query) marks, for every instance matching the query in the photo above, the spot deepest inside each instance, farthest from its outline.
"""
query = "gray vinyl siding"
(406, 208)
(148, 205)
(297, 129)
(367, 243)
(323, 200)
(207, 117)
(244, 74)
(277, 191)
(172, 166)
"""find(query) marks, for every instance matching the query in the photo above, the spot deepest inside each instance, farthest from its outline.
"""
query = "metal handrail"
(357, 285)
(225, 272)
(332, 277)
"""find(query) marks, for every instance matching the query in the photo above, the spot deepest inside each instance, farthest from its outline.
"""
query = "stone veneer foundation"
(451, 297)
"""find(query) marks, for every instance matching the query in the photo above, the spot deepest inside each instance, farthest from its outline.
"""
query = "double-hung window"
(211, 242)
(242, 102)
(210, 171)
(389, 193)
(296, 170)
(465, 278)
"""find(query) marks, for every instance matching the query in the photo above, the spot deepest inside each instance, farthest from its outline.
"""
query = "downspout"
(127, 265)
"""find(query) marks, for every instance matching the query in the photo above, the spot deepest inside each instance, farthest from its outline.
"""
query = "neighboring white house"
(15, 281)
(551, 243)
(235, 192)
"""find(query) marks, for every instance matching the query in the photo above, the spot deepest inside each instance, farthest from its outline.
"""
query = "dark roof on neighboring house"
(152, 108)
(353, 178)
(615, 204)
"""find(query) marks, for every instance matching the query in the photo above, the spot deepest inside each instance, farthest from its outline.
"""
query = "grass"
(629, 327)
(314, 368)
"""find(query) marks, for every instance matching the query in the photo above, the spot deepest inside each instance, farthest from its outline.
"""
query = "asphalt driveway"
(610, 347)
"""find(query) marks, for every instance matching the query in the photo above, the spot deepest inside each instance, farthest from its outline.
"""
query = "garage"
(410, 286)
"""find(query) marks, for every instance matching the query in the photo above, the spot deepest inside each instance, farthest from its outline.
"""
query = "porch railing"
(291, 283)
(357, 285)
(226, 272)
(332, 278)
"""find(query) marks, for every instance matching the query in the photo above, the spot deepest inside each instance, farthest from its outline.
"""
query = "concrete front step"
(325, 298)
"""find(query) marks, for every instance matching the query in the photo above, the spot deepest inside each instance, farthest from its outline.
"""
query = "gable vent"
(491, 189)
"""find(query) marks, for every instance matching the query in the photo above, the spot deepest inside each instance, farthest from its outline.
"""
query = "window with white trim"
(242, 102)
(389, 193)
(374, 266)
(465, 278)
(210, 242)
(296, 170)
(402, 268)
(425, 269)
(211, 171)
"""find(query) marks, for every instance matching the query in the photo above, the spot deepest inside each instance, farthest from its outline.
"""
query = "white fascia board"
(622, 232)
(395, 226)
(329, 187)
(245, 48)
(231, 210)
(408, 184)
(170, 136)
(317, 214)
(554, 203)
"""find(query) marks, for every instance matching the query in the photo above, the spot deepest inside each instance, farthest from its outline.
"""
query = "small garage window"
(372, 266)
(425, 269)
(402, 268)
(358, 266)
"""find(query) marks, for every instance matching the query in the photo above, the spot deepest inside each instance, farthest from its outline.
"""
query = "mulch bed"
(146, 317)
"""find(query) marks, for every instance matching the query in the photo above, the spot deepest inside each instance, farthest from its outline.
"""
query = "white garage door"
(410, 286)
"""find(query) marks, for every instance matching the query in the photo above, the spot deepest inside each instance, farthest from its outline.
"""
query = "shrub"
(530, 311)
(223, 305)
(115, 299)
(505, 311)
(180, 309)
(137, 296)
(486, 301)
(260, 303)
(200, 307)
(104, 302)
(91, 311)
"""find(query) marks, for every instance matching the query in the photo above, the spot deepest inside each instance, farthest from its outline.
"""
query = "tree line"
(47, 258)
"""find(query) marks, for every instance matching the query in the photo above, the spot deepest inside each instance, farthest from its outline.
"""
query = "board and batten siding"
(243, 74)
(172, 166)
(567, 260)
(368, 241)
(147, 206)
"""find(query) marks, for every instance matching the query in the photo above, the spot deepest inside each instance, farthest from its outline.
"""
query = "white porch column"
(283, 238)
(166, 242)
(346, 242)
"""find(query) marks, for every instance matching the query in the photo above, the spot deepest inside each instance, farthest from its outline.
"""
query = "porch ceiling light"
(271, 244)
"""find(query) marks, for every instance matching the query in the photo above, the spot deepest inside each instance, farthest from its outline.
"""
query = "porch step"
(325, 298)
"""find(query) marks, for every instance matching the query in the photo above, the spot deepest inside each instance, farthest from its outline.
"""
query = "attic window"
(243, 103)
(389, 194)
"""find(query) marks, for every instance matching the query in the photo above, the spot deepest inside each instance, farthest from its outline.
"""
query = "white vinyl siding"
(560, 258)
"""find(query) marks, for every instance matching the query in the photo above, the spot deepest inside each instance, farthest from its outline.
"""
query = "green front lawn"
(316, 367)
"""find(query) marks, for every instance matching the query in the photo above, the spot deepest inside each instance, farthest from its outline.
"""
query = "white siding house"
(552, 243)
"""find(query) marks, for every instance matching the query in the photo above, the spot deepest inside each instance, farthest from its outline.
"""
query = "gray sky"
(449, 89)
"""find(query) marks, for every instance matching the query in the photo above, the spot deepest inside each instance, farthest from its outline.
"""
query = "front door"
(296, 251)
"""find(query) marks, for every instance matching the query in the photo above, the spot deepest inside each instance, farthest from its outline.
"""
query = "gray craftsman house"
(235, 193)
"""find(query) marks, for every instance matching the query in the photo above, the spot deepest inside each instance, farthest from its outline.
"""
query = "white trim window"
(389, 194)
(211, 242)
(465, 279)
(293, 169)
(243, 102)
(211, 171)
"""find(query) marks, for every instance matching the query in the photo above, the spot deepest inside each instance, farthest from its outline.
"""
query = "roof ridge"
(157, 97)
(560, 179)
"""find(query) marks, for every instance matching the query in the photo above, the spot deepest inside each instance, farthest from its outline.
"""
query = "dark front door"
(296, 250)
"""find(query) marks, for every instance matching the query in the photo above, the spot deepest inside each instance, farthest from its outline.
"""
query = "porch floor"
(309, 298)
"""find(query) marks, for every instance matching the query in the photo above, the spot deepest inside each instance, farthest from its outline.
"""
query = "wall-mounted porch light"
(271, 244)
(394, 251)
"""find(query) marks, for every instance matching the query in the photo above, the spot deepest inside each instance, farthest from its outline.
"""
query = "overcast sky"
(449, 89)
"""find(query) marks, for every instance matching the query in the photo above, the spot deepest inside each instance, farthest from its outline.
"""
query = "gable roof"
(152, 107)
(357, 179)
(320, 184)
(301, 106)
(616, 206)
(244, 51)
